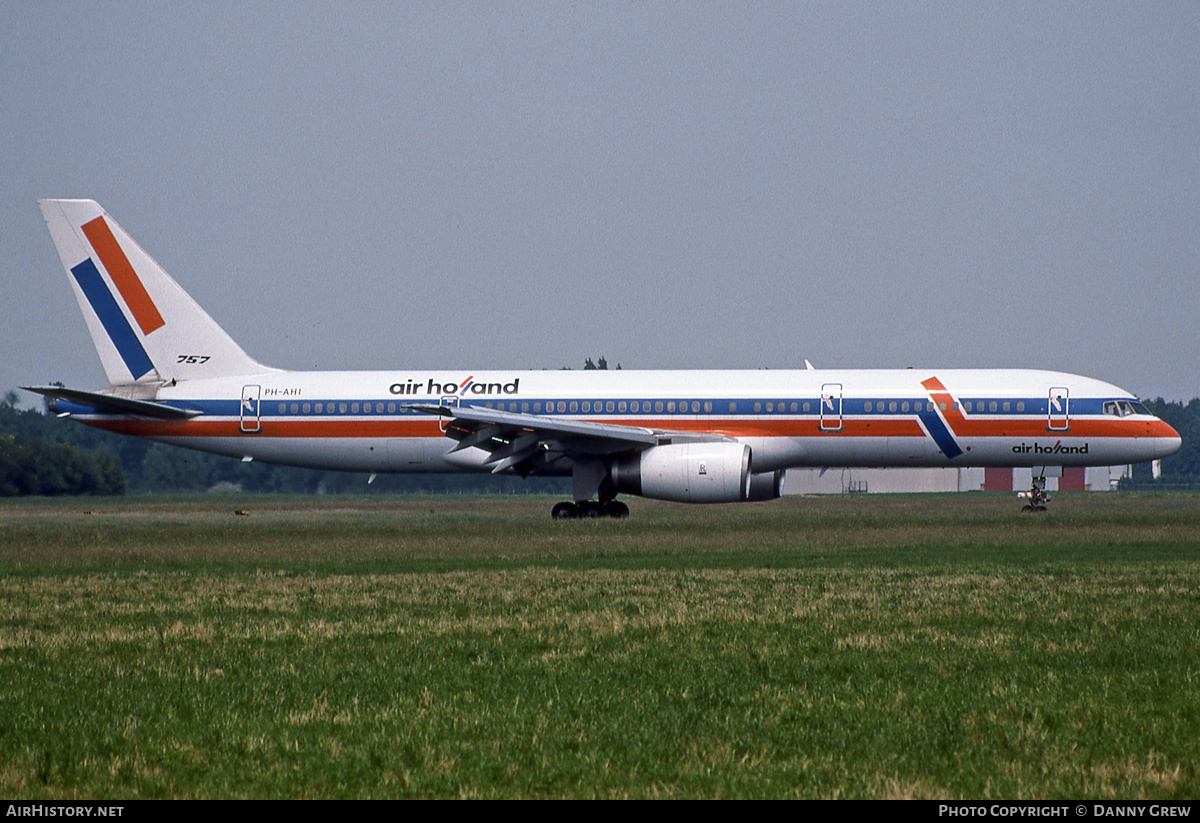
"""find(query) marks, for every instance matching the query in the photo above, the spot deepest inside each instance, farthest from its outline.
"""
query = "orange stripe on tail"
(123, 276)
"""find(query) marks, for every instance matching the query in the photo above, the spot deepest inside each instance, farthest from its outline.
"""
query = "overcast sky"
(691, 185)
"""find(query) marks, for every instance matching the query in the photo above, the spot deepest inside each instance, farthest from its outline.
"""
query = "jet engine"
(687, 473)
(766, 485)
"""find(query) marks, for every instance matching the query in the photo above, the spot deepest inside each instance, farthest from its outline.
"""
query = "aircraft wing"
(513, 439)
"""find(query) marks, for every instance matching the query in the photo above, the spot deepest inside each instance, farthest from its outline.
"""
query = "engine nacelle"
(766, 486)
(687, 473)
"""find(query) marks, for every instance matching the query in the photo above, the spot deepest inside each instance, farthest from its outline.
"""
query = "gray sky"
(692, 185)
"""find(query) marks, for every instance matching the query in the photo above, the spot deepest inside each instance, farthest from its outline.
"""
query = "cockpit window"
(1123, 408)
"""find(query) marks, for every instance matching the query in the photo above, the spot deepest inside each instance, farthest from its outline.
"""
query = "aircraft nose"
(1166, 440)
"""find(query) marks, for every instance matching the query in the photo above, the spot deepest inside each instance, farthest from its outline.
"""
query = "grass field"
(865, 646)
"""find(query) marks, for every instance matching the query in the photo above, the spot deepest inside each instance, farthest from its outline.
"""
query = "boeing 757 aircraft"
(690, 436)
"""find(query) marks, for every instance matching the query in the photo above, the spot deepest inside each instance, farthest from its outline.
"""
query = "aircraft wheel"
(564, 511)
(617, 509)
(589, 509)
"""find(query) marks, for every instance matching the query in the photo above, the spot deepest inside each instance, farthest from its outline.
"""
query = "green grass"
(881, 646)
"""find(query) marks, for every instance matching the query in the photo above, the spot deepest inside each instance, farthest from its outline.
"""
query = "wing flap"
(545, 427)
(518, 441)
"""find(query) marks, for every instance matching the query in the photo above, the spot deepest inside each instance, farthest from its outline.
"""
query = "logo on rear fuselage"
(435, 389)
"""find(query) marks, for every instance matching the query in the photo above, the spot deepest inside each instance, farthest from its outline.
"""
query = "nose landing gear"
(1036, 496)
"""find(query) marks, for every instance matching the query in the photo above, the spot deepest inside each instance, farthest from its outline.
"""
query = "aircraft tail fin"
(145, 327)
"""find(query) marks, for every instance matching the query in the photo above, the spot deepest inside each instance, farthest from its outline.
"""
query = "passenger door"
(249, 415)
(1059, 417)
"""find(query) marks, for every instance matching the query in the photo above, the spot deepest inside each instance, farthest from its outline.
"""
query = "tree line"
(40, 454)
(1184, 465)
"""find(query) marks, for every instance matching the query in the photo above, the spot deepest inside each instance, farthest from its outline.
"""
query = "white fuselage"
(363, 421)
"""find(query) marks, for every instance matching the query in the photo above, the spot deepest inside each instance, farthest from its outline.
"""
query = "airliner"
(689, 436)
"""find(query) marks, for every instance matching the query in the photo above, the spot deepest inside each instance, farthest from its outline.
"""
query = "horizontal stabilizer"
(117, 405)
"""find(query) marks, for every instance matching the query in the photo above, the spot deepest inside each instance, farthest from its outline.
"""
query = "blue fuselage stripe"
(940, 433)
(112, 318)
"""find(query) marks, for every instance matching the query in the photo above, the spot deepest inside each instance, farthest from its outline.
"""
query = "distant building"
(839, 481)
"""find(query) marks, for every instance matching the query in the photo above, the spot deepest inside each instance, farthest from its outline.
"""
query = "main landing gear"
(588, 508)
(1036, 496)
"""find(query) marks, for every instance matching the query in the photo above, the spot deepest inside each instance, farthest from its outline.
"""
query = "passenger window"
(904, 406)
(658, 406)
(562, 405)
(307, 408)
(757, 406)
(867, 406)
(342, 408)
(732, 407)
(1006, 406)
(671, 406)
(283, 408)
(1020, 405)
(320, 408)
(609, 406)
(992, 406)
(587, 405)
(892, 406)
(707, 406)
(621, 407)
(794, 407)
(574, 406)
(807, 406)
(634, 406)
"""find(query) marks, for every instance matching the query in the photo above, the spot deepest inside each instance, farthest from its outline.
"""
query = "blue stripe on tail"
(112, 318)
